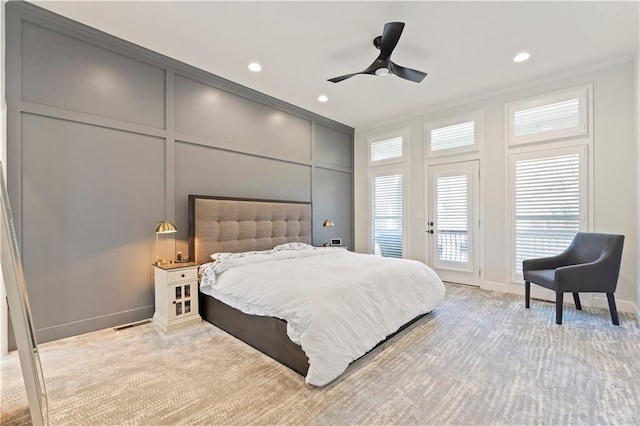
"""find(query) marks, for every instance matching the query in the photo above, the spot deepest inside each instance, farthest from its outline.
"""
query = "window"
(387, 192)
(549, 184)
(549, 202)
(387, 214)
(453, 135)
(553, 116)
(388, 148)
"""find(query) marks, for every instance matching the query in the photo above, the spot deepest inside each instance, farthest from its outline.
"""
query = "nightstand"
(176, 295)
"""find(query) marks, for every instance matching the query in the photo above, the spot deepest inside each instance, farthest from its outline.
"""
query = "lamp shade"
(328, 224)
(165, 227)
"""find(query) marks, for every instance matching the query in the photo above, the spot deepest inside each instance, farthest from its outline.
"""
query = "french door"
(453, 226)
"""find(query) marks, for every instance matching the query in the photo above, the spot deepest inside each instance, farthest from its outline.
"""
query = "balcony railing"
(453, 246)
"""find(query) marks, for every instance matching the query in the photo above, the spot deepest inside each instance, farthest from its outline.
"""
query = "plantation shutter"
(455, 136)
(387, 149)
(547, 206)
(452, 218)
(387, 215)
(548, 118)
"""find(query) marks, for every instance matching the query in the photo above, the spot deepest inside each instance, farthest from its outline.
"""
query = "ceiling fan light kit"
(383, 64)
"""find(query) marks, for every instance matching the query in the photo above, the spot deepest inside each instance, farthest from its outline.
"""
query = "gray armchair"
(591, 264)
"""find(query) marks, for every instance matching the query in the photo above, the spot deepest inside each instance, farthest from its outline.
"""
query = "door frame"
(475, 277)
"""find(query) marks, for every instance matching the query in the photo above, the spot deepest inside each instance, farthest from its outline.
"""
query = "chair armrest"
(601, 275)
(544, 263)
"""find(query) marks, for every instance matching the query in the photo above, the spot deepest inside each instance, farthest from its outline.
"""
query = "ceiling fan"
(383, 64)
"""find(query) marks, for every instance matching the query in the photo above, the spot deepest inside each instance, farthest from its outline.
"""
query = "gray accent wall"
(204, 111)
(209, 171)
(106, 138)
(333, 199)
(333, 179)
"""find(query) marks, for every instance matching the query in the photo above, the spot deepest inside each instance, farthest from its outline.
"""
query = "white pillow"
(293, 246)
(224, 256)
(220, 256)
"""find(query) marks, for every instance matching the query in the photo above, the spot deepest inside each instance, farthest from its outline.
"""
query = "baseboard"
(61, 331)
(589, 300)
(600, 301)
(537, 292)
(494, 286)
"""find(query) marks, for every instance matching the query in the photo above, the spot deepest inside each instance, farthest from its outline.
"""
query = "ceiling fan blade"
(390, 36)
(342, 77)
(407, 73)
(370, 71)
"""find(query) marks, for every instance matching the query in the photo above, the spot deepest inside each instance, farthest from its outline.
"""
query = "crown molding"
(108, 41)
(493, 93)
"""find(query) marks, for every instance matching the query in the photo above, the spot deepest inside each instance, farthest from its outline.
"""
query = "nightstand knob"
(174, 302)
(182, 275)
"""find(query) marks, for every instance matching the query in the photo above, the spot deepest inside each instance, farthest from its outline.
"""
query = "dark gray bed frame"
(266, 334)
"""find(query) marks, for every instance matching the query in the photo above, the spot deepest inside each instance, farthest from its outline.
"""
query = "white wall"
(615, 180)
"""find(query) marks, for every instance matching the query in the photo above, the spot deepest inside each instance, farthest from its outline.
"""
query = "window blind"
(387, 149)
(455, 136)
(547, 206)
(546, 118)
(387, 215)
(452, 218)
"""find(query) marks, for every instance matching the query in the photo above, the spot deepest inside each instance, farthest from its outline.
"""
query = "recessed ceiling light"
(255, 67)
(323, 98)
(521, 57)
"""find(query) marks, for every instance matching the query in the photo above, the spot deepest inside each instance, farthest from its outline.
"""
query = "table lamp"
(163, 227)
(327, 224)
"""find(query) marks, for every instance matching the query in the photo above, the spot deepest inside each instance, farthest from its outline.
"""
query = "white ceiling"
(466, 47)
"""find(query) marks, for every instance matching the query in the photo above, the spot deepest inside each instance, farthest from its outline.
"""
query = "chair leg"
(612, 309)
(576, 298)
(527, 294)
(559, 300)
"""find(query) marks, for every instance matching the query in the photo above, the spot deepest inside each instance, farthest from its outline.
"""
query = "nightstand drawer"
(183, 275)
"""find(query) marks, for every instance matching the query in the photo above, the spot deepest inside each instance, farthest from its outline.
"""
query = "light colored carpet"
(479, 358)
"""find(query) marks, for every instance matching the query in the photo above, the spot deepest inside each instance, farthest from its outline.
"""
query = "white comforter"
(338, 305)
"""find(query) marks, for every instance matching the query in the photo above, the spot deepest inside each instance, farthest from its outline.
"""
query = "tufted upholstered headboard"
(222, 224)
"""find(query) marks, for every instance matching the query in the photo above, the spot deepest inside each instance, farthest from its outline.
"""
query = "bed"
(270, 288)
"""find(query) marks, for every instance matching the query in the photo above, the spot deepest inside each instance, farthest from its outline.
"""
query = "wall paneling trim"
(105, 138)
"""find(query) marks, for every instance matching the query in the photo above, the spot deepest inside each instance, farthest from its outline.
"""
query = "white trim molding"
(498, 92)
(589, 300)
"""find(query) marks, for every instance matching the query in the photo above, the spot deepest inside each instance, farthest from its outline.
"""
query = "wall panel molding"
(66, 155)
(61, 331)
(205, 111)
(67, 26)
(85, 118)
